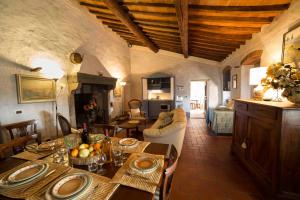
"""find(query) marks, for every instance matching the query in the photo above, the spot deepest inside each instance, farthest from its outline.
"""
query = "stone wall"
(53, 29)
(145, 63)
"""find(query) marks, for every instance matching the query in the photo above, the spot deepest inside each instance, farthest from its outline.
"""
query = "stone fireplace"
(91, 98)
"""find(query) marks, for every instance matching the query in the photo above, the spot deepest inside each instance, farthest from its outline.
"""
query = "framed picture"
(234, 81)
(291, 46)
(35, 89)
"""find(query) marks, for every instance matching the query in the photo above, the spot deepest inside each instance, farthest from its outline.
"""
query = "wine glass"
(100, 162)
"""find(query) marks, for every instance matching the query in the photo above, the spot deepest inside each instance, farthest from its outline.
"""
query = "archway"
(252, 58)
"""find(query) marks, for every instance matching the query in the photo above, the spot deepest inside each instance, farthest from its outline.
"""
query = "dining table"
(122, 192)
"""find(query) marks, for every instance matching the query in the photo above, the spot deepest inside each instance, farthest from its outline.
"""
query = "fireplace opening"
(91, 98)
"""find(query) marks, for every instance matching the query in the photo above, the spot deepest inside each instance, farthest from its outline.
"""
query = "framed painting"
(234, 81)
(291, 46)
(33, 89)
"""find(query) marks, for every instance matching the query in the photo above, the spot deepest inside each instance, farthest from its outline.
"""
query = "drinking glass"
(62, 152)
(93, 166)
(117, 153)
(100, 162)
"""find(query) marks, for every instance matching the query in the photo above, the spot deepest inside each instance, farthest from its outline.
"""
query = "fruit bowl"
(84, 154)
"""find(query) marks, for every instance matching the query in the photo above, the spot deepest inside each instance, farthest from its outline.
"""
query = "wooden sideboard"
(266, 140)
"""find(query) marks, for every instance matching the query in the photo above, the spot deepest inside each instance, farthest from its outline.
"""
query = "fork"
(94, 190)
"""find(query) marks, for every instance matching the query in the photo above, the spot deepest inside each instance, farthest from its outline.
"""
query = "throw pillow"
(166, 123)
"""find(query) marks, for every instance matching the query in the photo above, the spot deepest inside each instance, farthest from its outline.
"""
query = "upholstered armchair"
(135, 110)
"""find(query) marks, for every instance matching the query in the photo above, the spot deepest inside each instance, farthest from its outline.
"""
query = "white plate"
(4, 183)
(26, 173)
(128, 141)
(144, 164)
(70, 185)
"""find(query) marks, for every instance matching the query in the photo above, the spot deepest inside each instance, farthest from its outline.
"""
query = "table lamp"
(256, 75)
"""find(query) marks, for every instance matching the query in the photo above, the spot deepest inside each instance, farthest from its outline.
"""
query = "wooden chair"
(108, 130)
(21, 141)
(22, 129)
(64, 124)
(165, 190)
(136, 113)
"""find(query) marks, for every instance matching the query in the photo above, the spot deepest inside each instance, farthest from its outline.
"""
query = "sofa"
(171, 133)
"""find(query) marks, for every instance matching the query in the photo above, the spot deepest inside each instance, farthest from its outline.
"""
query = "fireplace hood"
(76, 81)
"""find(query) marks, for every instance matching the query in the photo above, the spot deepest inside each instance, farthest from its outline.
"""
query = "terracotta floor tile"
(207, 171)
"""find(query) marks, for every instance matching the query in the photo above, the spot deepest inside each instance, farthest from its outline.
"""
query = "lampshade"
(256, 75)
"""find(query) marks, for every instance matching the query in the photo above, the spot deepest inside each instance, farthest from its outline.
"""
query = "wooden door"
(262, 150)
(239, 144)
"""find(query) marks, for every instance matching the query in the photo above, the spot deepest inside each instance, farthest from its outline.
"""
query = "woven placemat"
(138, 148)
(28, 155)
(25, 191)
(143, 181)
(103, 192)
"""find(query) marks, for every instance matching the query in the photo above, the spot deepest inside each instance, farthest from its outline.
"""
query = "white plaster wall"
(269, 39)
(145, 63)
(53, 29)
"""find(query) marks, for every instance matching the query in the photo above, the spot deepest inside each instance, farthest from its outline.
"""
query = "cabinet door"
(262, 149)
(239, 144)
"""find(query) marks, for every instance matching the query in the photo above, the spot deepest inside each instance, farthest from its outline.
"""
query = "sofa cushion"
(166, 122)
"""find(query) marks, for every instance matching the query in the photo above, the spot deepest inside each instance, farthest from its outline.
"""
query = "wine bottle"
(85, 134)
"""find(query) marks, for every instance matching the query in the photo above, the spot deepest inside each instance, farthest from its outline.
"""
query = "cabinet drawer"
(263, 111)
(240, 106)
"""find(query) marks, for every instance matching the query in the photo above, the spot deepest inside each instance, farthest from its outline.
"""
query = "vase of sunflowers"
(91, 110)
(286, 77)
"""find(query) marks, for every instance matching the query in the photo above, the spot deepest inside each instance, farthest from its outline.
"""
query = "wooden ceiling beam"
(204, 48)
(207, 45)
(213, 46)
(163, 40)
(160, 31)
(278, 7)
(157, 23)
(225, 41)
(161, 8)
(168, 36)
(145, 16)
(159, 28)
(182, 7)
(220, 35)
(225, 30)
(217, 13)
(117, 9)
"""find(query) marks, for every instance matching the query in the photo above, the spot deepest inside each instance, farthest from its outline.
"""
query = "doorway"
(198, 99)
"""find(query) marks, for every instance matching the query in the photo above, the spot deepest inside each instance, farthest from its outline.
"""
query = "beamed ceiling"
(210, 29)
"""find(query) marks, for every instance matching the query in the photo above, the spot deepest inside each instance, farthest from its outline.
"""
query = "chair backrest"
(165, 190)
(21, 141)
(64, 124)
(23, 129)
(135, 103)
(108, 130)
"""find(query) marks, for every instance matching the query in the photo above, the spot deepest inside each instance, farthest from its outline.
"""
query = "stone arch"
(252, 58)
